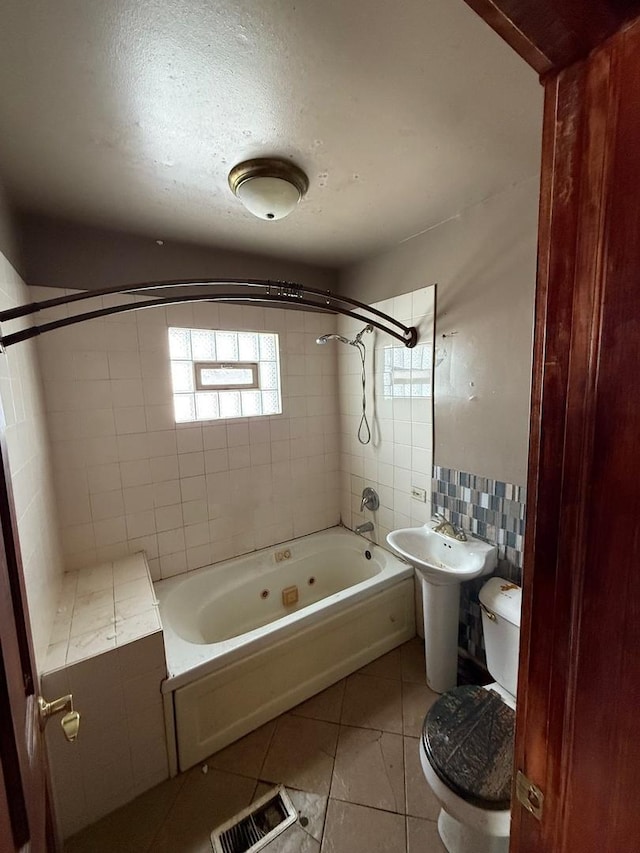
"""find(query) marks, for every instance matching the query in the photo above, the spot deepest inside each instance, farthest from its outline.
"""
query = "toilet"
(466, 748)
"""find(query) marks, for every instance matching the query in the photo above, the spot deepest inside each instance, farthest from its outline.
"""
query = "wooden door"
(25, 816)
(578, 722)
(578, 726)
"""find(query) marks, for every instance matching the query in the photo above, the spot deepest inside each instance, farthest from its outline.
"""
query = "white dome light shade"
(268, 198)
(269, 188)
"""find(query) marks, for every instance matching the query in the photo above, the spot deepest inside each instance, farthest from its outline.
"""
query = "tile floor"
(348, 757)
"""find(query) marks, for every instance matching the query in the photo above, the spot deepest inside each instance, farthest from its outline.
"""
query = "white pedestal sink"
(442, 563)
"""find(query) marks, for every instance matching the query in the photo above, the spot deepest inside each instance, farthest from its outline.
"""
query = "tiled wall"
(400, 453)
(494, 511)
(121, 747)
(29, 460)
(128, 478)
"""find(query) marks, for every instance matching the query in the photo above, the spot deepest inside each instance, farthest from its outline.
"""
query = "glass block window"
(408, 372)
(218, 375)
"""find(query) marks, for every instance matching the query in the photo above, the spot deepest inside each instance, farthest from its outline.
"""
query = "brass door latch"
(64, 705)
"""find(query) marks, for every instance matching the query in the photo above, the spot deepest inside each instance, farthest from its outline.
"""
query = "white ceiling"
(130, 113)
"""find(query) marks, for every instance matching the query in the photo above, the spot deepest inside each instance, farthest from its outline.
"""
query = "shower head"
(324, 338)
(358, 337)
(364, 431)
(354, 343)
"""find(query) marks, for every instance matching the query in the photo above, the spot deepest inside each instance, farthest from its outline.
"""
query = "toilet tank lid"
(503, 598)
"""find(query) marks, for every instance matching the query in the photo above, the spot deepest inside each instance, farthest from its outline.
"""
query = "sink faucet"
(449, 529)
(367, 527)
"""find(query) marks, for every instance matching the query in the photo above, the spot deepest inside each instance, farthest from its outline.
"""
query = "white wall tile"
(236, 457)
(130, 420)
(157, 389)
(23, 403)
(191, 464)
(237, 434)
(145, 478)
(190, 440)
(176, 563)
(110, 531)
(168, 517)
(140, 524)
(166, 494)
(214, 436)
(91, 451)
(164, 468)
(138, 498)
(126, 392)
(171, 542)
(90, 365)
(159, 417)
(162, 443)
(135, 473)
(124, 365)
(193, 488)
(133, 447)
(79, 537)
(195, 512)
(107, 505)
(103, 478)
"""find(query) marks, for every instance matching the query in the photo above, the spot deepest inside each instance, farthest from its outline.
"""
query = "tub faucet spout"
(367, 527)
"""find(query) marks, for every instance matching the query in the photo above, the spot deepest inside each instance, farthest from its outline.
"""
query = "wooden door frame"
(551, 35)
(27, 821)
(587, 263)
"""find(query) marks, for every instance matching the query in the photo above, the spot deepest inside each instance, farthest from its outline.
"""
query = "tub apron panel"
(226, 704)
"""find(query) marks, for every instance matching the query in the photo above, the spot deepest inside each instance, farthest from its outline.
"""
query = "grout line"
(380, 809)
(374, 675)
(168, 811)
(333, 767)
(375, 808)
(344, 691)
(402, 695)
(266, 752)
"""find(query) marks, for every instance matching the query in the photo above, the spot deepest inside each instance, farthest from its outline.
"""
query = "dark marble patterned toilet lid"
(468, 738)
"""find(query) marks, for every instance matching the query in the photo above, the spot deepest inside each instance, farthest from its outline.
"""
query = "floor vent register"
(257, 825)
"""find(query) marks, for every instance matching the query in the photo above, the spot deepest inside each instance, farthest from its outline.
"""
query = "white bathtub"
(237, 656)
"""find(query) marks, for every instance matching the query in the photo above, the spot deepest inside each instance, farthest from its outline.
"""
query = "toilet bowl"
(466, 748)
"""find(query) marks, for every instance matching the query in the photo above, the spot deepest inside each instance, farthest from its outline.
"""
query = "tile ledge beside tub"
(102, 608)
(107, 650)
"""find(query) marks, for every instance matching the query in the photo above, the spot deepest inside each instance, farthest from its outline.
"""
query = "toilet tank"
(503, 599)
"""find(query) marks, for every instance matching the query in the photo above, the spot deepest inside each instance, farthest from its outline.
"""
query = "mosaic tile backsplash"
(493, 511)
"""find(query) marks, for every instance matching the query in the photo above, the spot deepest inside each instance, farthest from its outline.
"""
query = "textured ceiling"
(130, 113)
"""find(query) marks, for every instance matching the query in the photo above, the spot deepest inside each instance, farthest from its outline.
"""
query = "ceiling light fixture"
(269, 188)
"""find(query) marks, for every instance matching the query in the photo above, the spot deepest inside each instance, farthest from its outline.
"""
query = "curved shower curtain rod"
(276, 293)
